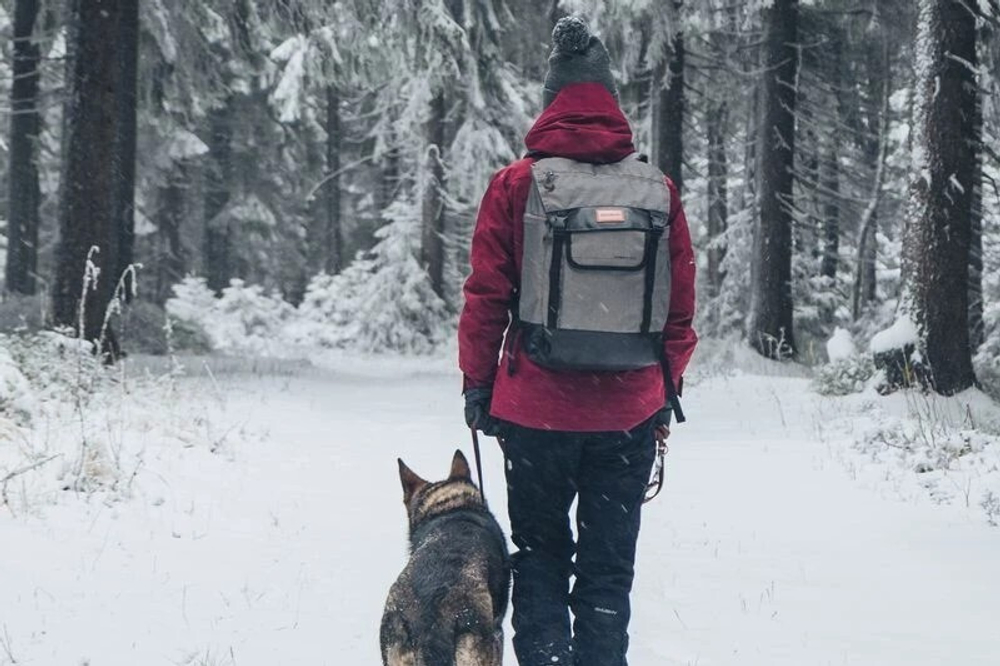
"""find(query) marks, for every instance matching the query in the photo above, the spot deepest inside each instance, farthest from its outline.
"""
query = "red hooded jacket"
(583, 123)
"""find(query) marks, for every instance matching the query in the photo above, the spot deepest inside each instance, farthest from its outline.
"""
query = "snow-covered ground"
(260, 523)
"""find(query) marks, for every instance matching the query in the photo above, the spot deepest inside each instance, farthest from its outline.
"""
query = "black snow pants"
(607, 473)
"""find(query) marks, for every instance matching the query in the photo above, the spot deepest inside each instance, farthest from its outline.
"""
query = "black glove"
(477, 411)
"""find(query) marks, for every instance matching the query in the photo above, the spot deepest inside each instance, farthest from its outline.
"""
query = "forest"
(292, 172)
(234, 236)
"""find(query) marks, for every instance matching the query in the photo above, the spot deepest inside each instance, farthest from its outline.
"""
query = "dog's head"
(424, 499)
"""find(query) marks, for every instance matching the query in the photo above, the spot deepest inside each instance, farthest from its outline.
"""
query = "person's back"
(570, 433)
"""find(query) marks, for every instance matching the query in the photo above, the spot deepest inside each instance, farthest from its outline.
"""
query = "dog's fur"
(447, 606)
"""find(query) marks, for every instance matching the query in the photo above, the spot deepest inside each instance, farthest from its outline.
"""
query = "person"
(568, 434)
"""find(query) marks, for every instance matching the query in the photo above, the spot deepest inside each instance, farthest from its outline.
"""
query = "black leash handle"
(479, 462)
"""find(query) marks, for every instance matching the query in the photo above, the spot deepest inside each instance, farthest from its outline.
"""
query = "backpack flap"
(610, 238)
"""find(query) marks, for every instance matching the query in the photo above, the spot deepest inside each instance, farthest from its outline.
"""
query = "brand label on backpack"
(610, 215)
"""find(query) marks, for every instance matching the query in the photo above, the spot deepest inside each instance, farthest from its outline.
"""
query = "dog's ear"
(460, 467)
(411, 482)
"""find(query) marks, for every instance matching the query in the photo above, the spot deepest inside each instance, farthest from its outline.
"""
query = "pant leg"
(614, 471)
(541, 468)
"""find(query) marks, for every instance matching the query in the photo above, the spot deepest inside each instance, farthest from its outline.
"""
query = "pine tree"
(669, 105)
(96, 224)
(219, 179)
(770, 327)
(936, 246)
(24, 193)
(333, 237)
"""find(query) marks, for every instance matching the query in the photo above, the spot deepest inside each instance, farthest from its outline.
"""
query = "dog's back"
(447, 606)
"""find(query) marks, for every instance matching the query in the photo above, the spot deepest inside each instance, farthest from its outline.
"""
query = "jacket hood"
(583, 123)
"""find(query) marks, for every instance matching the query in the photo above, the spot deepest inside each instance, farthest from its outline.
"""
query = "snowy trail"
(278, 549)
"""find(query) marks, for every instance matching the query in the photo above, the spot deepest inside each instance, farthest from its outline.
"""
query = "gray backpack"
(595, 276)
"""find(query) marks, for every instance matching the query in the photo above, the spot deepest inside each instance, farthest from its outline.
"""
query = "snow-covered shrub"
(323, 316)
(990, 504)
(17, 400)
(383, 301)
(847, 372)
(192, 302)
(844, 376)
(924, 445)
(42, 373)
(248, 318)
(243, 319)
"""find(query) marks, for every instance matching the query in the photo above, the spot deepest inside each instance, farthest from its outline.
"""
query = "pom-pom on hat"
(577, 57)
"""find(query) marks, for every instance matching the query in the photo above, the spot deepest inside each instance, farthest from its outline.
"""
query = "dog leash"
(655, 484)
(479, 462)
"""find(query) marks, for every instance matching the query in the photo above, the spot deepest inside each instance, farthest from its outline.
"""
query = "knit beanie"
(577, 57)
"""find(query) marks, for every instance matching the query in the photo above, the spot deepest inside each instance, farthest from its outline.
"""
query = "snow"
(156, 19)
(902, 332)
(16, 398)
(184, 144)
(249, 209)
(287, 95)
(265, 525)
(840, 346)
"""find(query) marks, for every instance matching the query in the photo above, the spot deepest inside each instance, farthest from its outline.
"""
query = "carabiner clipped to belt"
(655, 484)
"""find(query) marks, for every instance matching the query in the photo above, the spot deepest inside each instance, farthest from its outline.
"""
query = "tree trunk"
(171, 261)
(830, 179)
(126, 138)
(865, 281)
(805, 237)
(717, 119)
(643, 78)
(936, 240)
(99, 160)
(869, 272)
(333, 237)
(24, 193)
(879, 75)
(977, 329)
(388, 180)
(829, 173)
(770, 326)
(669, 118)
(218, 269)
(432, 245)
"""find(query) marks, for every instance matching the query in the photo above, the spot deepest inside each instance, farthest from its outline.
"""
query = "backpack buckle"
(549, 181)
(657, 220)
(557, 222)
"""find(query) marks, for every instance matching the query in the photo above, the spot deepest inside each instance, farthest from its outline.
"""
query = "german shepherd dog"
(447, 606)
